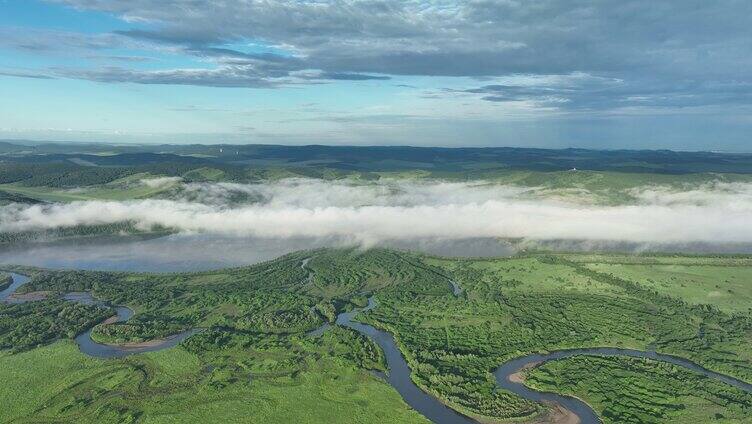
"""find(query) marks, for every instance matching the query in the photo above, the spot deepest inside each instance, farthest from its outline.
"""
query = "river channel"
(84, 341)
(437, 412)
(399, 370)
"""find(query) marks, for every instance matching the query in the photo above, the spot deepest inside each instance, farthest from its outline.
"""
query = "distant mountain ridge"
(379, 158)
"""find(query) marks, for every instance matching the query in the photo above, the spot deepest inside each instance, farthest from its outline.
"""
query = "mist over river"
(197, 252)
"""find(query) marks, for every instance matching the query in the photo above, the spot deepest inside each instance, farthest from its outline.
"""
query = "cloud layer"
(678, 53)
(369, 213)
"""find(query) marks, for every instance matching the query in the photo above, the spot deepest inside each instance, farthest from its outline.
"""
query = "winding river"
(437, 412)
(580, 408)
(399, 370)
(100, 350)
(18, 281)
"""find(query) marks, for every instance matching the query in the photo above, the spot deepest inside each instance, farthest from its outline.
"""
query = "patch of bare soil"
(519, 376)
(28, 297)
(557, 414)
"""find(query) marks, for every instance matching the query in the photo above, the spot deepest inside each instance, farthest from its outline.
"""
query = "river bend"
(399, 370)
(86, 344)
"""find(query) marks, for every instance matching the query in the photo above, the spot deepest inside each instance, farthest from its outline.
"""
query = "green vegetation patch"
(57, 383)
(348, 343)
(81, 231)
(512, 307)
(136, 330)
(27, 325)
(727, 287)
(632, 390)
(5, 280)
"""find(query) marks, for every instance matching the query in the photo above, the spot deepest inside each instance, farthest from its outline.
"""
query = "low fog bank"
(402, 211)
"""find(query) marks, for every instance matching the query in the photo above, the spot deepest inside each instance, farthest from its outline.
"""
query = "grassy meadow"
(58, 383)
(126, 188)
(726, 287)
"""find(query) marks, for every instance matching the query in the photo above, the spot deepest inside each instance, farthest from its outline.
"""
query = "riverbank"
(451, 343)
(510, 376)
(85, 342)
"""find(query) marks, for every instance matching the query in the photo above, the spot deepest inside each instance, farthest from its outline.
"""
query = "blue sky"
(599, 74)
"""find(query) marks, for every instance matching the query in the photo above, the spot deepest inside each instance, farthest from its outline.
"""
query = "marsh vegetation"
(257, 317)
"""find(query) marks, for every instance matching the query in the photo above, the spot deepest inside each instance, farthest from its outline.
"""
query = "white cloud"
(718, 194)
(160, 182)
(402, 210)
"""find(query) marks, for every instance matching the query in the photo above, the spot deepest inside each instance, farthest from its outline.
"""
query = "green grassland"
(728, 288)
(125, 188)
(58, 383)
(256, 319)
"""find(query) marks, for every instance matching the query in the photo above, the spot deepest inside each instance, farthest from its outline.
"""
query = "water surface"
(200, 252)
(399, 372)
(18, 281)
